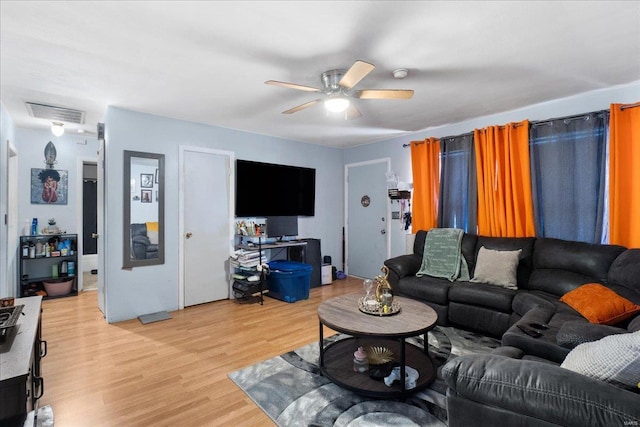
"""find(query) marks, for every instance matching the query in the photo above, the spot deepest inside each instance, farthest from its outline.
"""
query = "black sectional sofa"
(521, 383)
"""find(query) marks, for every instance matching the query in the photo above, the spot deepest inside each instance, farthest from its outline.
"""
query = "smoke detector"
(400, 73)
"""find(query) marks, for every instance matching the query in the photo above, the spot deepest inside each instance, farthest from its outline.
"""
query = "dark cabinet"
(21, 350)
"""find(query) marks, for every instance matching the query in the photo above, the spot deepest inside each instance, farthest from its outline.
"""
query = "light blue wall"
(150, 289)
(69, 147)
(7, 132)
(401, 158)
(143, 290)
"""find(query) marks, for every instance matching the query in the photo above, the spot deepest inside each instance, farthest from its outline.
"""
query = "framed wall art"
(49, 186)
(146, 196)
(146, 180)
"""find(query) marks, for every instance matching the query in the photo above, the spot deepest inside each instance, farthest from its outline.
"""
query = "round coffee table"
(341, 314)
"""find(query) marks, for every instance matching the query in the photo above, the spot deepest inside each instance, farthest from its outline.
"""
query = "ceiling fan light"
(336, 105)
(57, 128)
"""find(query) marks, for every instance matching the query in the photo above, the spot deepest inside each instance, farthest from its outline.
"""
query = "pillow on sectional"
(152, 232)
(497, 267)
(613, 359)
(599, 304)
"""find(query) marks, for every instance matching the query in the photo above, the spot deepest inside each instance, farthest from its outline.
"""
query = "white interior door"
(12, 222)
(367, 208)
(102, 238)
(207, 224)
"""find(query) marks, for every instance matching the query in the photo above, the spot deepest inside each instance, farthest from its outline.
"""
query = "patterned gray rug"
(292, 392)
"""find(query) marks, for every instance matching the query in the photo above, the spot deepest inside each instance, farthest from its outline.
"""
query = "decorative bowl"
(379, 355)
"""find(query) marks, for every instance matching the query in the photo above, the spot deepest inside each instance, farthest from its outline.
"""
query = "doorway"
(12, 236)
(206, 224)
(367, 243)
(89, 225)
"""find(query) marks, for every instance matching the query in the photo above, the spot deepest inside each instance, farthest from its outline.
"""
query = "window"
(568, 171)
(458, 184)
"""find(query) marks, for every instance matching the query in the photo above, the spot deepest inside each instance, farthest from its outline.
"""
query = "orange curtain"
(624, 176)
(425, 164)
(505, 204)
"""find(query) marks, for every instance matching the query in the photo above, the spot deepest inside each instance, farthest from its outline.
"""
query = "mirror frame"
(127, 260)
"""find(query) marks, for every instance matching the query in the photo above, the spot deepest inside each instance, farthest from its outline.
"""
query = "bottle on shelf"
(360, 361)
(34, 227)
(25, 250)
(32, 250)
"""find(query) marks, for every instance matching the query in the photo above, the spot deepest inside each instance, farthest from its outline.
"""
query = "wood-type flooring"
(173, 372)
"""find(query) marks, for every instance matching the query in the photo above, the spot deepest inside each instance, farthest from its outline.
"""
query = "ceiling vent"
(50, 112)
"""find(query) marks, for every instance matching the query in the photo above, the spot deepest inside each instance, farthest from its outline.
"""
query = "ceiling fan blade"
(357, 72)
(352, 112)
(302, 106)
(384, 94)
(293, 86)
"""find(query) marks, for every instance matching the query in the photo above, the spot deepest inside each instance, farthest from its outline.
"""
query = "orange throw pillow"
(599, 304)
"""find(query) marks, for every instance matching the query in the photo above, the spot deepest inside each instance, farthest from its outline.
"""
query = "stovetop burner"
(9, 316)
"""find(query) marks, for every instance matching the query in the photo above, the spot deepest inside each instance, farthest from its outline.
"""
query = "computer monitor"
(282, 226)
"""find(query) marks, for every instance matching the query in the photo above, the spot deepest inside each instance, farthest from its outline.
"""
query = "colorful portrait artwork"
(49, 186)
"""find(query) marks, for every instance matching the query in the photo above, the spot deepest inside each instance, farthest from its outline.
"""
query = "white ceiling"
(207, 61)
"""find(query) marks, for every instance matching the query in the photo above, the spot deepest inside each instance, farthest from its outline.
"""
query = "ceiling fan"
(338, 88)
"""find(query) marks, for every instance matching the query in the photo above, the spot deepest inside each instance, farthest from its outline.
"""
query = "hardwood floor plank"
(172, 372)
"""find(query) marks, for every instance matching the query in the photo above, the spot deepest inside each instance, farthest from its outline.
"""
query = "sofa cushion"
(562, 265)
(576, 332)
(488, 321)
(546, 345)
(524, 301)
(613, 359)
(497, 267)
(624, 275)
(424, 288)
(482, 294)
(599, 304)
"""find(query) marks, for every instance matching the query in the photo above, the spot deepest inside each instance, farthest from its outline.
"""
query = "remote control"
(531, 332)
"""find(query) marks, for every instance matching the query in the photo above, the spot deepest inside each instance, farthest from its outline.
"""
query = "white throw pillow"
(614, 359)
(497, 267)
(153, 237)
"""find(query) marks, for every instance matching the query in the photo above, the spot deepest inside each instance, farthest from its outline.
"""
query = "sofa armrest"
(402, 266)
(541, 391)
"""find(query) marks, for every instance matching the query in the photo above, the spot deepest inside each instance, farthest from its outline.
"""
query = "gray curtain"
(457, 207)
(568, 167)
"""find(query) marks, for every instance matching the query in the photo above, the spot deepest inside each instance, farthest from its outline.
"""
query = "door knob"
(94, 235)
(188, 235)
(383, 231)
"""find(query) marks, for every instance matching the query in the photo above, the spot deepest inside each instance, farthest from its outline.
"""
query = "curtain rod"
(539, 123)
(441, 139)
(625, 106)
(569, 118)
(412, 142)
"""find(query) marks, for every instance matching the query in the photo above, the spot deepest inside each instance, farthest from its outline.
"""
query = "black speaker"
(309, 254)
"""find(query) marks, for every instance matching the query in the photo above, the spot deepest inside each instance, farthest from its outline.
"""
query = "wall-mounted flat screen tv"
(268, 189)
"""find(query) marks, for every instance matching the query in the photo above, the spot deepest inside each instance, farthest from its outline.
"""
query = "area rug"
(292, 392)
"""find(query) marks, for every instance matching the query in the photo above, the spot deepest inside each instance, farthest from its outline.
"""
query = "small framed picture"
(146, 180)
(157, 176)
(146, 196)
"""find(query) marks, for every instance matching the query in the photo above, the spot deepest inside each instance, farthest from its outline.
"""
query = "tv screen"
(267, 189)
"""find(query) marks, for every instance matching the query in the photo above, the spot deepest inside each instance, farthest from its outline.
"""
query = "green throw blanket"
(442, 255)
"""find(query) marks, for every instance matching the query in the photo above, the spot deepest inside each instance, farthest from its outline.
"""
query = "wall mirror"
(143, 212)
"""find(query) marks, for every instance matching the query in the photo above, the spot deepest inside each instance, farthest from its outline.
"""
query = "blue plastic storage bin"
(289, 280)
